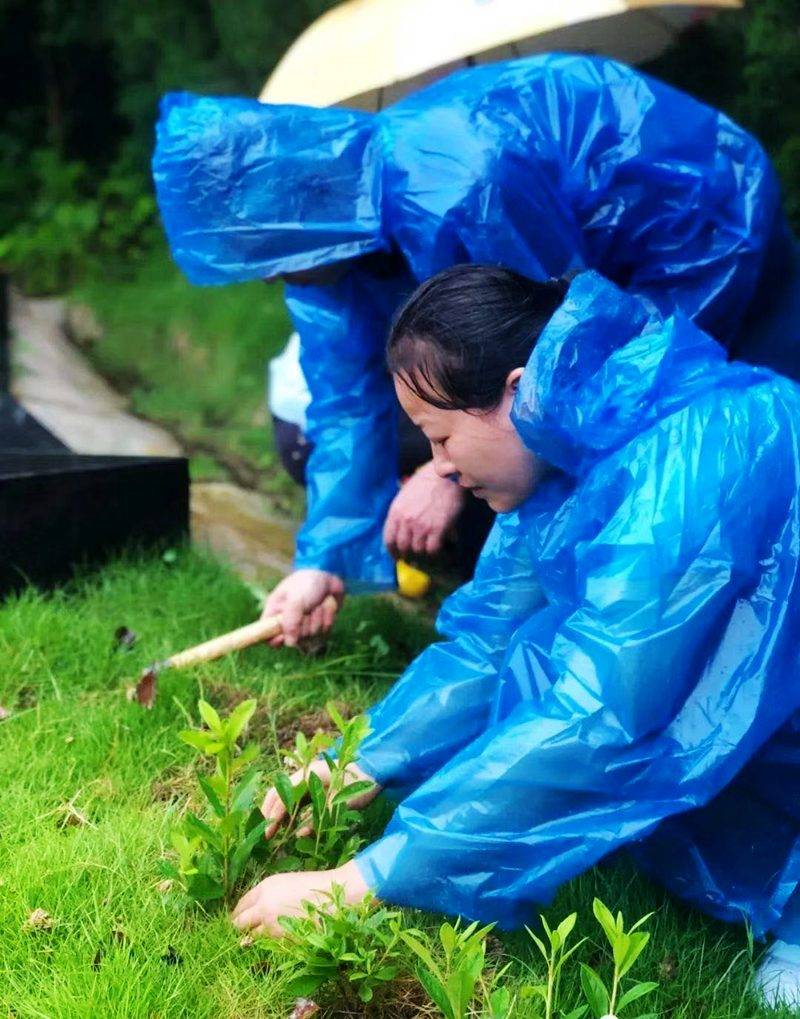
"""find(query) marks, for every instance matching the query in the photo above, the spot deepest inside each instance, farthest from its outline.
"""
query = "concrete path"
(55, 383)
(52, 380)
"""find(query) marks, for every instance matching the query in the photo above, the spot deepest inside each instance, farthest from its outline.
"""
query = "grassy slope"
(121, 949)
(194, 359)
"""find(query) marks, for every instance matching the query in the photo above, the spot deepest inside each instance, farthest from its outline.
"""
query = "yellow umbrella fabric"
(368, 53)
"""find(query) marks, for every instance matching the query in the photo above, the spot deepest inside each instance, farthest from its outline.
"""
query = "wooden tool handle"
(245, 636)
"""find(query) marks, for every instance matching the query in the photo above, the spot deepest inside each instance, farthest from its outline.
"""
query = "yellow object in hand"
(411, 582)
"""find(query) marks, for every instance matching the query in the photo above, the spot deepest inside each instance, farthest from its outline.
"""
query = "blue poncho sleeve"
(443, 700)
(642, 695)
(351, 421)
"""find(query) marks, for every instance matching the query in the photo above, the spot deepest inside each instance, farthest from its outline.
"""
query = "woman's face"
(480, 450)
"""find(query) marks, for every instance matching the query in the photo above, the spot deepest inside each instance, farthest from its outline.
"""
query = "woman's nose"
(443, 465)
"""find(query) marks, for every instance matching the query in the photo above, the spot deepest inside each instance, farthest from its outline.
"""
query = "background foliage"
(84, 79)
(83, 82)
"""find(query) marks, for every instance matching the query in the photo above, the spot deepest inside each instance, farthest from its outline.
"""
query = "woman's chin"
(499, 502)
(504, 502)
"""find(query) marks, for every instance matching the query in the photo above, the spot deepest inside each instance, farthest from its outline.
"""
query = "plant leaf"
(303, 985)
(211, 796)
(436, 992)
(336, 717)
(595, 991)
(193, 823)
(605, 919)
(202, 741)
(287, 792)
(316, 791)
(420, 950)
(636, 945)
(539, 944)
(245, 849)
(245, 793)
(565, 927)
(210, 717)
(576, 1013)
(239, 718)
(637, 991)
(204, 888)
(353, 789)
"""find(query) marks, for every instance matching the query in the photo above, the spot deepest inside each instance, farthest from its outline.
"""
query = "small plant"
(356, 950)
(499, 1004)
(319, 831)
(555, 954)
(453, 982)
(212, 853)
(626, 947)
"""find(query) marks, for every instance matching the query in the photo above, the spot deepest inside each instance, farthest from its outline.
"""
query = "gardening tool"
(144, 692)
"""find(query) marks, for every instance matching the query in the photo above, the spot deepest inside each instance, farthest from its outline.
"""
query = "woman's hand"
(284, 894)
(421, 513)
(299, 599)
(274, 809)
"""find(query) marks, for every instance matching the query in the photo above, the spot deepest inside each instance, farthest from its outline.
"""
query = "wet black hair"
(461, 332)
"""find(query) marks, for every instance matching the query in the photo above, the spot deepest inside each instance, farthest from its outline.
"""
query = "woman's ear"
(512, 380)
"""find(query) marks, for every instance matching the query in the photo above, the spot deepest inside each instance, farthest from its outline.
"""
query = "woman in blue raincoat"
(545, 165)
(623, 667)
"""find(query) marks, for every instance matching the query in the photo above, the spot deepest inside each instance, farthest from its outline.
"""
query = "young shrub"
(555, 954)
(354, 951)
(318, 834)
(212, 853)
(453, 982)
(626, 947)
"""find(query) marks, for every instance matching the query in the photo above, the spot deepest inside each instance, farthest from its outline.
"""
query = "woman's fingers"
(433, 542)
(292, 622)
(390, 532)
(419, 540)
(402, 539)
(245, 903)
(329, 611)
(274, 811)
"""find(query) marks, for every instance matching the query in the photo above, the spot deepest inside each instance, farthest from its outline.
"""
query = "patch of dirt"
(174, 785)
(225, 698)
(265, 726)
(309, 723)
(27, 697)
(405, 999)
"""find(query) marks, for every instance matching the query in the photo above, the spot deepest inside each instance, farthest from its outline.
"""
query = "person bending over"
(622, 668)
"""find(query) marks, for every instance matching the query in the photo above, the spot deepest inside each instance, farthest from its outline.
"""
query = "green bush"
(72, 226)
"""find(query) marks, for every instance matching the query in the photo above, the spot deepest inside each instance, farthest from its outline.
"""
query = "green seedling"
(354, 951)
(499, 1004)
(452, 983)
(626, 947)
(212, 853)
(555, 953)
(319, 833)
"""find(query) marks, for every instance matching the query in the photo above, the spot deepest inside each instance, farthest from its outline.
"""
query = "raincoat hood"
(606, 367)
(248, 190)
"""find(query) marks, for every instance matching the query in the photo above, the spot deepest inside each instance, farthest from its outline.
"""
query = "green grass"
(119, 947)
(193, 359)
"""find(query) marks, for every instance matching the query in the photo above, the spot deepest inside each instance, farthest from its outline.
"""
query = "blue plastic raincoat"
(624, 665)
(546, 164)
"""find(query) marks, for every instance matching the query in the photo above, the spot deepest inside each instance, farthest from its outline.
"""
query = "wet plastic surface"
(547, 164)
(622, 669)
